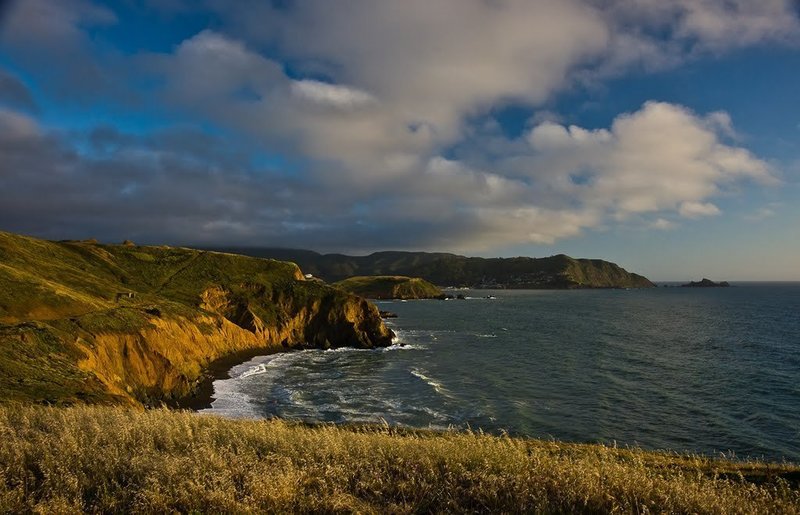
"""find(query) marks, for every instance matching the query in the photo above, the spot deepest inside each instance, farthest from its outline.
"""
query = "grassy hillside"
(390, 287)
(121, 323)
(555, 272)
(101, 459)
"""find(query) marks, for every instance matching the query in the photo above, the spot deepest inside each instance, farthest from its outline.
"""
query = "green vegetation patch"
(390, 287)
(36, 366)
(143, 256)
(95, 459)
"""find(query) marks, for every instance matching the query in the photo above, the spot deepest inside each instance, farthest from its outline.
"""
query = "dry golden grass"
(111, 459)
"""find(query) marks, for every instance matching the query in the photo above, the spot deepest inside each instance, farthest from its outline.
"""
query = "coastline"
(203, 395)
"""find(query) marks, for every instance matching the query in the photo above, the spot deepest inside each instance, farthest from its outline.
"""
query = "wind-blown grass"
(111, 459)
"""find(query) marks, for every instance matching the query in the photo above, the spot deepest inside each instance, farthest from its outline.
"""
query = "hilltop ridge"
(443, 269)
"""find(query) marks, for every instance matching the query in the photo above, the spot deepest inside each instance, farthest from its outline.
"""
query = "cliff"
(554, 272)
(81, 321)
(390, 287)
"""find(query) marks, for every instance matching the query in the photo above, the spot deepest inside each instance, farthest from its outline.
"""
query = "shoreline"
(203, 395)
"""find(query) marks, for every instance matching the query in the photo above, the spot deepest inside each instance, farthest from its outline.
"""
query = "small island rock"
(706, 283)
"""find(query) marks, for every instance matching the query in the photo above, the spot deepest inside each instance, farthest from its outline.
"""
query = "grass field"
(113, 459)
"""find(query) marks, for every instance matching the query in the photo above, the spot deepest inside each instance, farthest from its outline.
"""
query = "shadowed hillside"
(121, 323)
(555, 272)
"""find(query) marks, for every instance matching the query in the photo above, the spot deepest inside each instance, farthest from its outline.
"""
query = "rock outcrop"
(66, 337)
(706, 283)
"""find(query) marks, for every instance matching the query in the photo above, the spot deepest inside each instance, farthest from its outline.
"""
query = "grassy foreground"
(113, 459)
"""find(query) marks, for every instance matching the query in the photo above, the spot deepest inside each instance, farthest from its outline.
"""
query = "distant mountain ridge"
(443, 269)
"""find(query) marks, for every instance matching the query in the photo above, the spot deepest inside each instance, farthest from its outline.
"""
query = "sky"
(663, 136)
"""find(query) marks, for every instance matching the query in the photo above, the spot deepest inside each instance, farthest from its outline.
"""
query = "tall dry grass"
(100, 459)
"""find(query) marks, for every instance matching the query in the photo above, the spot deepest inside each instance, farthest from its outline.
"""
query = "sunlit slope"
(82, 321)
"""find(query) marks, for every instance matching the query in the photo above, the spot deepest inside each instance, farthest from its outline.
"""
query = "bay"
(707, 371)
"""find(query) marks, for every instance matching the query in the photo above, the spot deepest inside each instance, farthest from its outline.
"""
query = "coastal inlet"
(701, 370)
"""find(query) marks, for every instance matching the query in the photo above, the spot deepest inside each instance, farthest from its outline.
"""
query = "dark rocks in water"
(388, 314)
(461, 297)
(706, 283)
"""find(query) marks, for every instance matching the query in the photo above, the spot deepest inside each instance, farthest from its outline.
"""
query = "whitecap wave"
(256, 370)
(230, 402)
(393, 347)
(436, 385)
(405, 346)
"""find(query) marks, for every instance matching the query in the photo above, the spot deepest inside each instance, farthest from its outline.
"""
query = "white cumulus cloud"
(331, 94)
(698, 209)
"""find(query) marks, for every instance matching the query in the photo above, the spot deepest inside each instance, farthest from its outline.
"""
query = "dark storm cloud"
(135, 187)
(187, 187)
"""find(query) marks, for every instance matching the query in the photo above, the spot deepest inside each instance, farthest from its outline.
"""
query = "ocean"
(709, 371)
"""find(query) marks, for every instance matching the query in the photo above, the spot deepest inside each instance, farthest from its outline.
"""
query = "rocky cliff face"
(87, 322)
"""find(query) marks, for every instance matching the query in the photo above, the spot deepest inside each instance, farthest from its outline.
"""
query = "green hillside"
(554, 272)
(390, 287)
(123, 323)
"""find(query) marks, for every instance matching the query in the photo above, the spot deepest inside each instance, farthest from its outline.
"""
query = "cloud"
(14, 93)
(331, 94)
(698, 209)
(662, 157)
(17, 126)
(210, 67)
(704, 25)
(663, 224)
(178, 186)
(763, 213)
(192, 187)
(432, 63)
(49, 37)
(378, 137)
(49, 23)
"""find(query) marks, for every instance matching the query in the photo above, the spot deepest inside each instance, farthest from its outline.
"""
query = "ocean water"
(701, 370)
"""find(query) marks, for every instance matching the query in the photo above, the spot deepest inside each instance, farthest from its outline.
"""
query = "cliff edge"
(84, 322)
